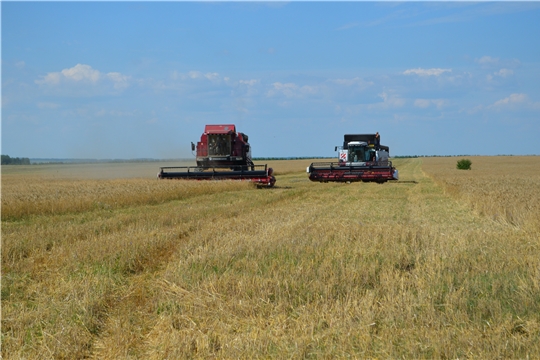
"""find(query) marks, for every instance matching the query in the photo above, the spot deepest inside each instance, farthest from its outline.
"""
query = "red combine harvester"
(222, 154)
(361, 158)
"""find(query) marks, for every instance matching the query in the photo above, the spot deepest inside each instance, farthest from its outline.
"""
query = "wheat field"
(104, 261)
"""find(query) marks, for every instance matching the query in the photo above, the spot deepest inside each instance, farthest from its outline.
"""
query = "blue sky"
(141, 79)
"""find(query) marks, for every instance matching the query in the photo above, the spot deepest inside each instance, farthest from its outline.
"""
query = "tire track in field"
(119, 335)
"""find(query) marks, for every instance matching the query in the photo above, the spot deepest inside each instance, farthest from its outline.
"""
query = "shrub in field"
(464, 164)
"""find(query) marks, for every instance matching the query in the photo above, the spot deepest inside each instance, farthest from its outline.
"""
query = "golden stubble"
(196, 269)
(502, 188)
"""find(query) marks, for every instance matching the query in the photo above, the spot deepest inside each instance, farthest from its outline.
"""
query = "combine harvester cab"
(222, 154)
(361, 158)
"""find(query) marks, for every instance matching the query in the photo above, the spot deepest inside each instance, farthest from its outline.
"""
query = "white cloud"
(425, 103)
(422, 103)
(252, 86)
(288, 89)
(439, 103)
(120, 81)
(248, 87)
(250, 82)
(20, 64)
(487, 60)
(390, 100)
(511, 100)
(211, 76)
(473, 110)
(309, 89)
(50, 79)
(81, 73)
(426, 72)
(195, 74)
(291, 90)
(504, 73)
(348, 26)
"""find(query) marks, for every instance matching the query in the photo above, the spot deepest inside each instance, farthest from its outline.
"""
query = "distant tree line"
(7, 160)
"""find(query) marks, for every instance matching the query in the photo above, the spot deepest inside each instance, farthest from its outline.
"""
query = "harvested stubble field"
(104, 261)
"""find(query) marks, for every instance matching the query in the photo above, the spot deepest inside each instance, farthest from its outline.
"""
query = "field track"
(114, 267)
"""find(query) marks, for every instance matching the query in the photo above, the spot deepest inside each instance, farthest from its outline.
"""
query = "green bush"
(464, 164)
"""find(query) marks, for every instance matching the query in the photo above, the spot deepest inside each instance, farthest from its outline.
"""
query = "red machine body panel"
(219, 129)
(221, 145)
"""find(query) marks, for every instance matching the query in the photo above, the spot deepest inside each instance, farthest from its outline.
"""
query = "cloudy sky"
(140, 79)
